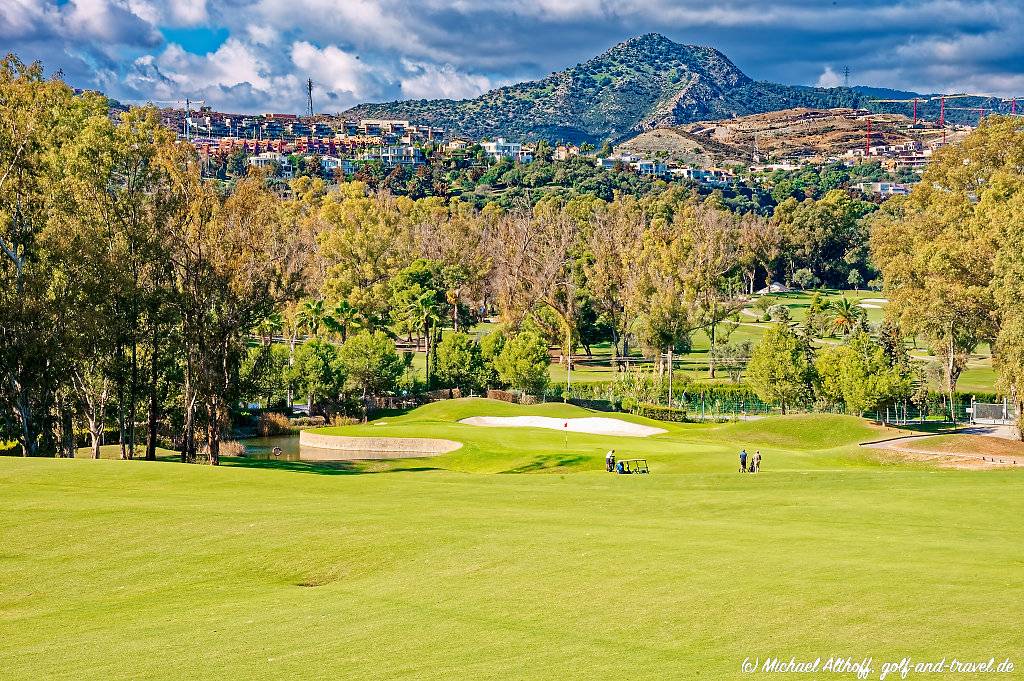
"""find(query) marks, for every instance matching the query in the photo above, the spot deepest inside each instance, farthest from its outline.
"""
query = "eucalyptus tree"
(235, 264)
(39, 118)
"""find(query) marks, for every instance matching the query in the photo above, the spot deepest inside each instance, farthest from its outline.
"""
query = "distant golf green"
(285, 570)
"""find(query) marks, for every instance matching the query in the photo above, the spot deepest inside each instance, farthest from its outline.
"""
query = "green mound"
(804, 431)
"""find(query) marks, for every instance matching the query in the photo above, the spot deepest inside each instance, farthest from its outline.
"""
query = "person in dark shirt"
(743, 461)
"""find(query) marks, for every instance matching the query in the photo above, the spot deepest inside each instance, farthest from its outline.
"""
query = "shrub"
(308, 421)
(339, 420)
(764, 303)
(227, 448)
(523, 363)
(805, 279)
(503, 395)
(660, 413)
(371, 363)
(779, 313)
(459, 362)
(272, 423)
(232, 448)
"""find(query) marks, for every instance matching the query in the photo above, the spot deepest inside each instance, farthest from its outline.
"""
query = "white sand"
(595, 425)
(876, 300)
(869, 306)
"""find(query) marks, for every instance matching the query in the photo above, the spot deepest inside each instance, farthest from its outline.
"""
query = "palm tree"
(342, 318)
(268, 327)
(846, 316)
(310, 315)
(423, 314)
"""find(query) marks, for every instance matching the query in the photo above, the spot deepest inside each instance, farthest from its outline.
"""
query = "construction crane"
(942, 103)
(867, 139)
(942, 108)
(915, 100)
(979, 109)
(1013, 104)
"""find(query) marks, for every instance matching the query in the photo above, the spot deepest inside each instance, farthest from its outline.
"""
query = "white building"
(884, 188)
(649, 167)
(333, 164)
(392, 156)
(273, 161)
(500, 148)
(640, 166)
(708, 176)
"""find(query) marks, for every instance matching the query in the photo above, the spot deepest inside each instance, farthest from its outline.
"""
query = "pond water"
(291, 450)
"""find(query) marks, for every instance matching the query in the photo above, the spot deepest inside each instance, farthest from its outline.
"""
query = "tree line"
(136, 293)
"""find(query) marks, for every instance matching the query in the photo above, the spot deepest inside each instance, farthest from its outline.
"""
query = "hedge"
(660, 413)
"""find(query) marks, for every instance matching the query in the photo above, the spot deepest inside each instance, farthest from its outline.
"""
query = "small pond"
(291, 450)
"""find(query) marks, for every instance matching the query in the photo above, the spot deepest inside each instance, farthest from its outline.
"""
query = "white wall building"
(884, 188)
(272, 160)
(501, 148)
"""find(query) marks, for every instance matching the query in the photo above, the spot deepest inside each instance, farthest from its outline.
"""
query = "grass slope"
(135, 570)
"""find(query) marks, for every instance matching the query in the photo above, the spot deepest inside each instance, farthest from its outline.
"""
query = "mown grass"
(138, 570)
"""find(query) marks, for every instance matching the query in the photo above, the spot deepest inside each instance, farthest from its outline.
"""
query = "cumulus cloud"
(829, 78)
(108, 22)
(426, 81)
(345, 76)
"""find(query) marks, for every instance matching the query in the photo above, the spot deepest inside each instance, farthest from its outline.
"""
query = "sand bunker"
(593, 425)
(876, 300)
(377, 447)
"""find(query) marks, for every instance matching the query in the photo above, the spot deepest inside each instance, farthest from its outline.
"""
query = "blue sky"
(242, 55)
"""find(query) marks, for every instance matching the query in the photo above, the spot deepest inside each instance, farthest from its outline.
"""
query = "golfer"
(757, 461)
(609, 460)
(743, 461)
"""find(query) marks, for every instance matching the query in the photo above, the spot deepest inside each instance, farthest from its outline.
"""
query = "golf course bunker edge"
(594, 425)
(344, 447)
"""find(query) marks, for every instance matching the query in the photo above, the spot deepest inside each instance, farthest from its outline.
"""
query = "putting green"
(138, 570)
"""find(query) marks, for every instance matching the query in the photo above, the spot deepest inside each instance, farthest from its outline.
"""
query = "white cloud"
(176, 13)
(110, 22)
(367, 24)
(829, 78)
(262, 34)
(334, 68)
(20, 19)
(429, 81)
(236, 76)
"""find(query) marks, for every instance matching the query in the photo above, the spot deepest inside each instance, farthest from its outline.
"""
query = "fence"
(994, 413)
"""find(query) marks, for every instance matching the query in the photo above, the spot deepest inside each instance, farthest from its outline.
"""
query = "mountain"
(645, 82)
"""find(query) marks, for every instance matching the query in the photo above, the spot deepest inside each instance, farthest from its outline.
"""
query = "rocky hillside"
(814, 134)
(643, 83)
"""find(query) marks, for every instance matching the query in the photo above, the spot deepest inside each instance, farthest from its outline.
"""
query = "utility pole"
(309, 95)
(846, 76)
